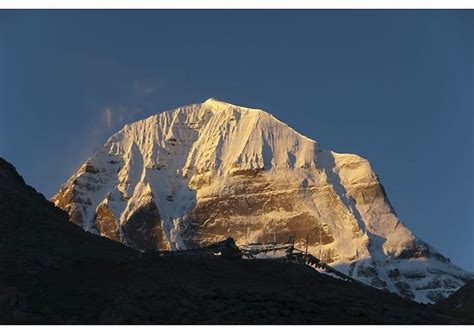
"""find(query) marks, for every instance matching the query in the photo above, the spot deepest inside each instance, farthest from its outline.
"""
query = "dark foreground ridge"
(52, 272)
(460, 303)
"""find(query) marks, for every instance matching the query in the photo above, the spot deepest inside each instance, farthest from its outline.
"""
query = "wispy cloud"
(143, 87)
(111, 119)
(146, 87)
(108, 116)
(116, 115)
(134, 101)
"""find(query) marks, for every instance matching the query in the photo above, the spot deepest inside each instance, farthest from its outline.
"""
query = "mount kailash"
(201, 173)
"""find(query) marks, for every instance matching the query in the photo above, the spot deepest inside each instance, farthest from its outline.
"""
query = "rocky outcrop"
(106, 223)
(143, 229)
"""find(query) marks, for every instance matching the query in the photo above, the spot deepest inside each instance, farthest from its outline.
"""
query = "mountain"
(200, 173)
(53, 272)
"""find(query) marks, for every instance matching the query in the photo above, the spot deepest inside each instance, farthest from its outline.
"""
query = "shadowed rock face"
(201, 173)
(143, 229)
(53, 272)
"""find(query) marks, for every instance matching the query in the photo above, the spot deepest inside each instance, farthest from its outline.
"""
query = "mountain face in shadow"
(195, 175)
(53, 272)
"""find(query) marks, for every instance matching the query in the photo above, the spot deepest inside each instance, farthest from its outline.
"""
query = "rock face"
(201, 173)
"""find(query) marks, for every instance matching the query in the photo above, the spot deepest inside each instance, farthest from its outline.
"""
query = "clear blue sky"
(396, 87)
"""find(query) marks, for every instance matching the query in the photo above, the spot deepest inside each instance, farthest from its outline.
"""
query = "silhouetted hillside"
(460, 303)
(51, 271)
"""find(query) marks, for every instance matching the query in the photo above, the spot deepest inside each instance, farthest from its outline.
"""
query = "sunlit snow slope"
(201, 173)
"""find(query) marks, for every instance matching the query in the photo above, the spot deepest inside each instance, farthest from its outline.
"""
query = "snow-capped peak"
(204, 172)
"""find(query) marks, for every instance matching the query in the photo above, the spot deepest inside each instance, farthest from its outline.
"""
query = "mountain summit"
(204, 172)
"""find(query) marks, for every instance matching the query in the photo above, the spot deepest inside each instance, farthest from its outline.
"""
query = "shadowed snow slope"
(200, 173)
